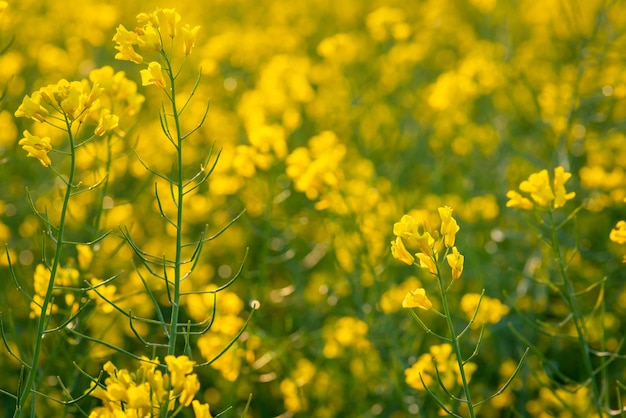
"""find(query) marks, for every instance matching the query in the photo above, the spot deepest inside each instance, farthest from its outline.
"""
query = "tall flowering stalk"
(437, 253)
(68, 107)
(545, 195)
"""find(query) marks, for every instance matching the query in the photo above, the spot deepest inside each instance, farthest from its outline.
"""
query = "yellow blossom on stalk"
(148, 39)
(417, 299)
(399, 252)
(456, 260)
(516, 200)
(168, 19)
(189, 37)
(37, 147)
(107, 122)
(538, 185)
(32, 108)
(618, 234)
(427, 262)
(201, 410)
(153, 75)
(179, 367)
(561, 196)
(542, 191)
(449, 227)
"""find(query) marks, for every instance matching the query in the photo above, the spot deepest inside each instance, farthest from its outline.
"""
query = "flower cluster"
(87, 101)
(543, 192)
(154, 28)
(438, 363)
(431, 244)
(618, 234)
(145, 391)
(65, 277)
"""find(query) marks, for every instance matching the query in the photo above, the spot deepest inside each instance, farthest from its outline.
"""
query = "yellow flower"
(449, 227)
(399, 252)
(538, 185)
(427, 262)
(456, 260)
(189, 37)
(179, 367)
(31, 108)
(191, 386)
(201, 410)
(153, 75)
(148, 39)
(618, 234)
(128, 53)
(561, 196)
(37, 148)
(107, 122)
(516, 200)
(168, 19)
(417, 299)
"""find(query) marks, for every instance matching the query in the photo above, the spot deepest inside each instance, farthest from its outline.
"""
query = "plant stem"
(43, 317)
(455, 343)
(179, 212)
(578, 317)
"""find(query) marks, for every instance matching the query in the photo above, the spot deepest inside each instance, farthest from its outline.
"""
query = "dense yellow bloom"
(417, 299)
(201, 410)
(538, 185)
(456, 260)
(37, 147)
(449, 227)
(543, 192)
(445, 360)
(189, 38)
(618, 234)
(399, 252)
(491, 310)
(32, 108)
(153, 75)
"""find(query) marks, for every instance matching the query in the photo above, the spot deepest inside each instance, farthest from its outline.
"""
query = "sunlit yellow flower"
(189, 37)
(399, 252)
(516, 200)
(191, 386)
(148, 39)
(31, 108)
(538, 185)
(128, 53)
(124, 36)
(449, 227)
(417, 299)
(456, 260)
(107, 122)
(153, 75)
(168, 19)
(37, 147)
(201, 410)
(427, 262)
(178, 368)
(618, 234)
(561, 196)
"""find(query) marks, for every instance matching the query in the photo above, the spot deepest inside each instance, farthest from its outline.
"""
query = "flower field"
(360, 208)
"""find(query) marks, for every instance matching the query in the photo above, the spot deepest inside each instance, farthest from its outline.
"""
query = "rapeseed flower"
(417, 299)
(543, 192)
(37, 147)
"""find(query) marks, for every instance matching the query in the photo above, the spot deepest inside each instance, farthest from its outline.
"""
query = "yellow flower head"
(189, 37)
(449, 227)
(399, 252)
(168, 19)
(153, 75)
(107, 122)
(618, 234)
(456, 260)
(201, 410)
(542, 191)
(538, 185)
(178, 368)
(427, 262)
(31, 107)
(37, 147)
(417, 299)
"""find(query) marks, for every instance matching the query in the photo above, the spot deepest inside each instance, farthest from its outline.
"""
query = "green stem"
(455, 342)
(179, 213)
(43, 317)
(577, 316)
